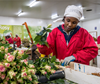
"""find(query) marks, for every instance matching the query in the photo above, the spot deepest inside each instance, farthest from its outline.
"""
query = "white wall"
(88, 25)
(30, 22)
(91, 24)
(20, 21)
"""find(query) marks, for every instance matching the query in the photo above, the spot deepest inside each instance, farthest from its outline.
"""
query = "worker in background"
(70, 42)
(98, 40)
(17, 40)
(9, 39)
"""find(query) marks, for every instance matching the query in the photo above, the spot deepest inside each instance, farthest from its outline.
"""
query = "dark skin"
(70, 23)
(16, 35)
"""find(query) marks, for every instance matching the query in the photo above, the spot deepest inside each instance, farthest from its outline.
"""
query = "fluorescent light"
(82, 18)
(80, 6)
(20, 13)
(32, 3)
(54, 16)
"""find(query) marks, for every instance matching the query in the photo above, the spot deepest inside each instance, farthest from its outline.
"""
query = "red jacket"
(18, 41)
(81, 46)
(98, 40)
(10, 40)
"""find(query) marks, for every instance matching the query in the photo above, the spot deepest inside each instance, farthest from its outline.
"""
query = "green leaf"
(46, 44)
(48, 76)
(6, 45)
(25, 82)
(58, 63)
(71, 82)
(57, 81)
(45, 35)
(60, 81)
(24, 56)
(41, 42)
(42, 36)
(18, 76)
(48, 30)
(44, 60)
(1, 56)
(42, 32)
(53, 59)
(9, 50)
(52, 65)
(30, 61)
(43, 39)
(37, 38)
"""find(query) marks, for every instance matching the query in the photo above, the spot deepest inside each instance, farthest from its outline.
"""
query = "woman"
(9, 39)
(17, 40)
(69, 41)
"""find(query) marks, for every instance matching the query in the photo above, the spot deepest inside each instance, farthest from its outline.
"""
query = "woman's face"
(70, 23)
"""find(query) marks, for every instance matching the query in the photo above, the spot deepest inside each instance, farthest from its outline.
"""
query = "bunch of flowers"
(46, 66)
(4, 42)
(15, 69)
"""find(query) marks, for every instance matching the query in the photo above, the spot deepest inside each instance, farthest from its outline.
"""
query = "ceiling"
(45, 8)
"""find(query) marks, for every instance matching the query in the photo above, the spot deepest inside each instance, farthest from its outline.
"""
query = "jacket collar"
(73, 38)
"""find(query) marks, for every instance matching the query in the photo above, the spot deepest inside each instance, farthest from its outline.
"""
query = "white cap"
(7, 34)
(74, 11)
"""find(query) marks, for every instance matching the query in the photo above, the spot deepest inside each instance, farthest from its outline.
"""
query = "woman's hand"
(67, 60)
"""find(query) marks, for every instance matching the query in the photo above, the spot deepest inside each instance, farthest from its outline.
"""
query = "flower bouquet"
(46, 70)
(4, 43)
(15, 69)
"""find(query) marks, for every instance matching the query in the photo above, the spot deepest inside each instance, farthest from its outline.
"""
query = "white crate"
(82, 74)
(81, 78)
(99, 52)
(98, 61)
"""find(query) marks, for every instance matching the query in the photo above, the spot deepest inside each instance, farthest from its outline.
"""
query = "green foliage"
(5, 45)
(2, 52)
(42, 62)
(48, 30)
(30, 61)
(58, 81)
(42, 36)
(42, 66)
(70, 82)
(24, 56)
(1, 56)
(53, 59)
(16, 68)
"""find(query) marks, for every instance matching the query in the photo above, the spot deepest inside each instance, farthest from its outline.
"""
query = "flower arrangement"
(5, 44)
(46, 66)
(16, 69)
